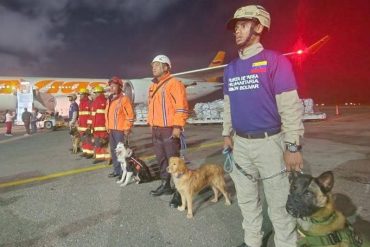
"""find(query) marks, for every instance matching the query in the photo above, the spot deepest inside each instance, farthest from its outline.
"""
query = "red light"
(300, 52)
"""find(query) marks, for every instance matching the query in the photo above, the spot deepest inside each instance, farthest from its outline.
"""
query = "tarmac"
(50, 197)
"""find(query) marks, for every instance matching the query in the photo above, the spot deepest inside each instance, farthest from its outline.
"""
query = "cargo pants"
(262, 158)
(165, 147)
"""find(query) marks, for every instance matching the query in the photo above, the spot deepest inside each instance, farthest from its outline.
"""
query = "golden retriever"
(190, 182)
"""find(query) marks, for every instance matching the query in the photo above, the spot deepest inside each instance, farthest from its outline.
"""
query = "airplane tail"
(218, 60)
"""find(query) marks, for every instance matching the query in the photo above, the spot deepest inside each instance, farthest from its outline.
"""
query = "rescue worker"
(262, 126)
(167, 114)
(98, 128)
(73, 110)
(119, 118)
(72, 113)
(83, 118)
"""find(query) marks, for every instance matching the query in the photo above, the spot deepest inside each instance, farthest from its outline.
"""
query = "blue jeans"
(116, 136)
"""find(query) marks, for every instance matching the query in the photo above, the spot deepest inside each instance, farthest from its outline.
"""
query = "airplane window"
(129, 90)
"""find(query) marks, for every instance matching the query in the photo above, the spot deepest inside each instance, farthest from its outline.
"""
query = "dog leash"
(182, 145)
(230, 162)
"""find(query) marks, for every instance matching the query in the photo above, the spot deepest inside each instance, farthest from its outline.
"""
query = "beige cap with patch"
(250, 12)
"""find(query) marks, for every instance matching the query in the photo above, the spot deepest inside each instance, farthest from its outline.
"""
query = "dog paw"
(227, 203)
(214, 200)
(189, 216)
(122, 185)
(181, 208)
(119, 182)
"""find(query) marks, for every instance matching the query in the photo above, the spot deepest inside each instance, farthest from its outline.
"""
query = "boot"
(163, 189)
(83, 155)
(176, 200)
(89, 156)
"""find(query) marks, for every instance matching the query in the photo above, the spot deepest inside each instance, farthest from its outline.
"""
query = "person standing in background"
(9, 118)
(34, 120)
(26, 119)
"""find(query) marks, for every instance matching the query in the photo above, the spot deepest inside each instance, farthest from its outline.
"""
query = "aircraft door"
(129, 90)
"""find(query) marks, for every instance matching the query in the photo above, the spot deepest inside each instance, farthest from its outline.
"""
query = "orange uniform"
(119, 113)
(98, 127)
(84, 115)
(168, 106)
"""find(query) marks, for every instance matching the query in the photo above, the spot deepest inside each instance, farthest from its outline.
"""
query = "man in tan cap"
(262, 127)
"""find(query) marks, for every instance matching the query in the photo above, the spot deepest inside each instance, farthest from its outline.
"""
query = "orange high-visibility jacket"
(98, 113)
(84, 113)
(167, 106)
(119, 113)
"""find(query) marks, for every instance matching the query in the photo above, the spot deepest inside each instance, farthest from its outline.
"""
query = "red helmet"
(115, 80)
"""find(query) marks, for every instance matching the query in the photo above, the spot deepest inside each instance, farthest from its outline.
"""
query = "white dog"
(122, 154)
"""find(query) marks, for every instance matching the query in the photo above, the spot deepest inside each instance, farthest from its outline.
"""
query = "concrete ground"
(50, 197)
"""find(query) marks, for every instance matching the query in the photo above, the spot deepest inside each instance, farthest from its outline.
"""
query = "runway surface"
(50, 197)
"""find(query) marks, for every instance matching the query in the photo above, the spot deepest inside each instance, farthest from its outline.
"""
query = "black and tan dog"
(319, 223)
(76, 139)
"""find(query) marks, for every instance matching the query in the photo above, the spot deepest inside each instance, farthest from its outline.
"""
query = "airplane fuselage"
(51, 93)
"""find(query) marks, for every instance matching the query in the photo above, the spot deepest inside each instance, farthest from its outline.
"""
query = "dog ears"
(326, 181)
(129, 152)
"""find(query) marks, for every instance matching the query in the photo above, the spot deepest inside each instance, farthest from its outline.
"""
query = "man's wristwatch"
(292, 147)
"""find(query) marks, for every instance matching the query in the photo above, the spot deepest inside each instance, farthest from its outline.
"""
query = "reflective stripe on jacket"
(98, 113)
(84, 113)
(119, 113)
(168, 106)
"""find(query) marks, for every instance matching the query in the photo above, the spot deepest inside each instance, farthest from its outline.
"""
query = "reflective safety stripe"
(88, 151)
(100, 111)
(100, 129)
(182, 110)
(83, 113)
(102, 156)
(93, 113)
(131, 120)
(82, 128)
(89, 121)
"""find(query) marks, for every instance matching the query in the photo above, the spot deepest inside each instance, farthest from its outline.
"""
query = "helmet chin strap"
(245, 44)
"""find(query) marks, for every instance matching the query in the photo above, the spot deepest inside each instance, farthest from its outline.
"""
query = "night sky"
(98, 39)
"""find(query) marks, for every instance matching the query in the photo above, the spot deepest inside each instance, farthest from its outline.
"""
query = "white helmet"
(250, 12)
(162, 59)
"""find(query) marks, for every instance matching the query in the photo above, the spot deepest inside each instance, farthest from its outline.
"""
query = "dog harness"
(347, 234)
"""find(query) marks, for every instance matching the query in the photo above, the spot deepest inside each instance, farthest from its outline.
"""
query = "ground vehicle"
(51, 122)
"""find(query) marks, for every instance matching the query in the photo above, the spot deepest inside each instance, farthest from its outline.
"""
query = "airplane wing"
(202, 74)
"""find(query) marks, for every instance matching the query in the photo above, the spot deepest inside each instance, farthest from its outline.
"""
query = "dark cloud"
(85, 38)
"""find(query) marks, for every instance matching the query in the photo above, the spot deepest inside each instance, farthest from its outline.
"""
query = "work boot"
(83, 155)
(163, 189)
(97, 161)
(176, 200)
(89, 156)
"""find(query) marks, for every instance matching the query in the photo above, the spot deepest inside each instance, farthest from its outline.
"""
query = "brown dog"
(190, 182)
(319, 223)
(76, 140)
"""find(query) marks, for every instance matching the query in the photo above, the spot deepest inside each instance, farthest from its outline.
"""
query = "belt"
(159, 127)
(258, 135)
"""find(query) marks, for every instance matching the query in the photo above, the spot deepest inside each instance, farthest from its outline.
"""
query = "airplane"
(49, 94)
